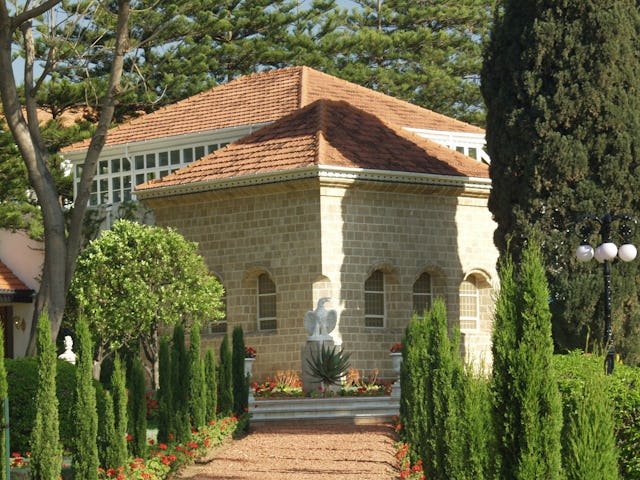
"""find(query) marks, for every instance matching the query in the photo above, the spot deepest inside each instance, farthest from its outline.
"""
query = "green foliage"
(621, 392)
(477, 429)
(137, 411)
(46, 459)
(3, 396)
(86, 415)
(329, 365)
(428, 53)
(165, 393)
(211, 377)
(443, 408)
(180, 384)
(562, 132)
(413, 385)
(590, 449)
(225, 380)
(197, 386)
(22, 378)
(136, 277)
(107, 435)
(120, 401)
(527, 404)
(239, 380)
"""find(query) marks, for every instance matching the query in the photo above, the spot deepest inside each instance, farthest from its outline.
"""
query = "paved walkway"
(303, 451)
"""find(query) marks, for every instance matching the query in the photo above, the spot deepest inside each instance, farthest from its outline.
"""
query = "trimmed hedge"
(22, 377)
(623, 388)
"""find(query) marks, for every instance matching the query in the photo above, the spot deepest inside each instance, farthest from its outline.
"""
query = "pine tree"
(180, 383)
(86, 418)
(118, 453)
(239, 380)
(197, 387)
(4, 392)
(428, 53)
(165, 403)
(211, 377)
(138, 411)
(46, 458)
(225, 380)
(563, 116)
(591, 451)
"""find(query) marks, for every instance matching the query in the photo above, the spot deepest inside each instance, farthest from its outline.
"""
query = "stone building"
(325, 189)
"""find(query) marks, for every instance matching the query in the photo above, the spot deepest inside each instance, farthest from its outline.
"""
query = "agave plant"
(329, 365)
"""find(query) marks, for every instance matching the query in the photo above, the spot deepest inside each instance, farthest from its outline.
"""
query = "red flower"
(162, 446)
(129, 437)
(396, 348)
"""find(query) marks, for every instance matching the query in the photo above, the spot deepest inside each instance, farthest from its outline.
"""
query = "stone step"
(358, 409)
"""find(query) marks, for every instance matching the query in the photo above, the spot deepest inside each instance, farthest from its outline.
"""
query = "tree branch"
(27, 15)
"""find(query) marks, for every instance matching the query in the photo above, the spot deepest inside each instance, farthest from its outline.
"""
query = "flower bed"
(163, 459)
(403, 461)
(288, 385)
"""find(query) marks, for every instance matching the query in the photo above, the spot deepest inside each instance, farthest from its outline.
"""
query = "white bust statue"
(68, 355)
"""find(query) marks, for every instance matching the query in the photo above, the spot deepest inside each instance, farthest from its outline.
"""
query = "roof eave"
(322, 172)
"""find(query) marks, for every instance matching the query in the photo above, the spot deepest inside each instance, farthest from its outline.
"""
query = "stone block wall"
(319, 238)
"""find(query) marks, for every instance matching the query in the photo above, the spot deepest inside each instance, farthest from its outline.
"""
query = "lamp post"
(605, 253)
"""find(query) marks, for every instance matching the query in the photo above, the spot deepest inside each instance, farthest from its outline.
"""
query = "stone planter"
(248, 366)
(396, 362)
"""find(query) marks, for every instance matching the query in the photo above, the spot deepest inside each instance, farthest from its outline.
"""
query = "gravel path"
(307, 451)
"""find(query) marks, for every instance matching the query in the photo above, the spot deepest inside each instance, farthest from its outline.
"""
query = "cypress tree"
(197, 387)
(180, 384)
(165, 404)
(541, 406)
(120, 400)
(477, 430)
(4, 392)
(530, 426)
(211, 376)
(137, 411)
(240, 381)
(443, 383)
(413, 378)
(86, 418)
(560, 83)
(108, 452)
(505, 405)
(591, 450)
(225, 380)
(46, 458)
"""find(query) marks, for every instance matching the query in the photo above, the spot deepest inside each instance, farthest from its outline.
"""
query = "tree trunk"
(61, 248)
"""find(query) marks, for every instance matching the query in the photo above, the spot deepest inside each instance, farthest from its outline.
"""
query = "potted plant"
(249, 358)
(396, 357)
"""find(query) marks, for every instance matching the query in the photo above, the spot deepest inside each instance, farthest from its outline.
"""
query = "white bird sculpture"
(320, 322)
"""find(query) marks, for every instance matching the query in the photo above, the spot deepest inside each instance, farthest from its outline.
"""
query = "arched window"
(374, 305)
(469, 304)
(422, 294)
(266, 304)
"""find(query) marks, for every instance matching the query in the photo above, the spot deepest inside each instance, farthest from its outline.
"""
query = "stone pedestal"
(312, 348)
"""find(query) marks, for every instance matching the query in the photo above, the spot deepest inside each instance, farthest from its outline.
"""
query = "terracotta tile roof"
(9, 282)
(328, 133)
(265, 97)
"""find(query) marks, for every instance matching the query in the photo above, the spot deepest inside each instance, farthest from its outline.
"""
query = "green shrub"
(225, 380)
(329, 365)
(46, 456)
(197, 386)
(622, 389)
(22, 377)
(137, 425)
(240, 381)
(211, 377)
